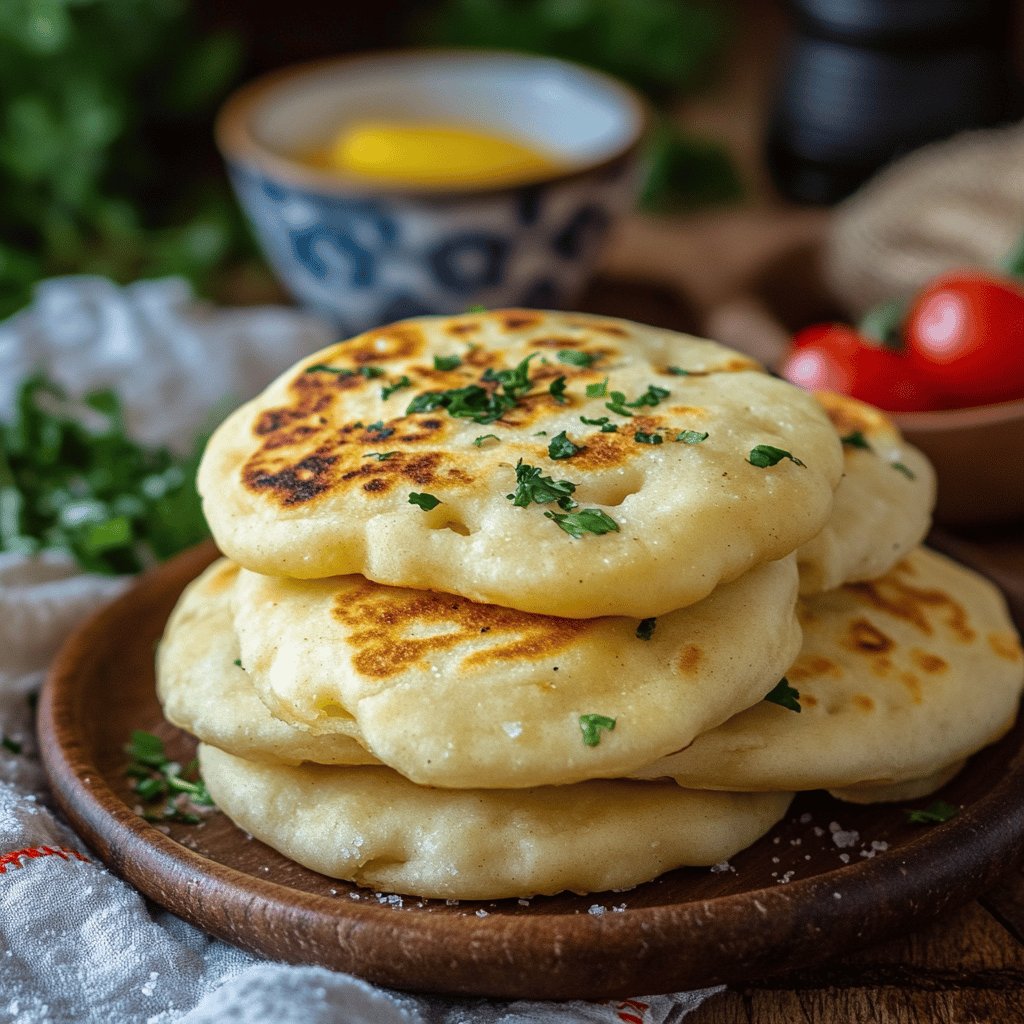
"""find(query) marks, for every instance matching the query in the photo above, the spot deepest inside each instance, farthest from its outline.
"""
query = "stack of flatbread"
(518, 602)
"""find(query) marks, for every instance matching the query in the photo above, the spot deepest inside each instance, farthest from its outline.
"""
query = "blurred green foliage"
(71, 479)
(98, 170)
(666, 48)
(657, 45)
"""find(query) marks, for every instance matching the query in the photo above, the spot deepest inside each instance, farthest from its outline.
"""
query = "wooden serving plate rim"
(666, 947)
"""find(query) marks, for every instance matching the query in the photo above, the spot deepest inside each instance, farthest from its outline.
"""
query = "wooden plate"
(830, 878)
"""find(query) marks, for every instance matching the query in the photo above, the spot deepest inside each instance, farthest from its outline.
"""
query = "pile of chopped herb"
(71, 479)
(163, 784)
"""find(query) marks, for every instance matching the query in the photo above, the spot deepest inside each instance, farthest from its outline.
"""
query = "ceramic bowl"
(365, 253)
(978, 455)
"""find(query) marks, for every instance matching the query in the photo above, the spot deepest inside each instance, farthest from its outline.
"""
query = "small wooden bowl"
(978, 453)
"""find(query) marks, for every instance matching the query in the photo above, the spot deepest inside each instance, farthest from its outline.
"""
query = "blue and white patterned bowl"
(364, 253)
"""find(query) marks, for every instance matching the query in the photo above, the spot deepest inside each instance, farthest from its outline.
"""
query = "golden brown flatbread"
(533, 432)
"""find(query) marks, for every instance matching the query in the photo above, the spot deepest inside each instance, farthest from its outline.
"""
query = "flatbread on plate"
(204, 689)
(453, 693)
(883, 504)
(313, 478)
(374, 827)
(899, 679)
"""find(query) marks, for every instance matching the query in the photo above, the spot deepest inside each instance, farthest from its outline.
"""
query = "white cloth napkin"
(78, 945)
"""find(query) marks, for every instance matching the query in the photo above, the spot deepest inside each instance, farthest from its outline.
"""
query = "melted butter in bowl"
(390, 185)
(433, 154)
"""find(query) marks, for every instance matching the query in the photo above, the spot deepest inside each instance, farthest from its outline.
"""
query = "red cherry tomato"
(834, 357)
(965, 337)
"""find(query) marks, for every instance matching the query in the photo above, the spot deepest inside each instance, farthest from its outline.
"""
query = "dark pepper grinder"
(865, 81)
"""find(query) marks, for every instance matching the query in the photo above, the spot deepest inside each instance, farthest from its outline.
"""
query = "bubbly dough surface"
(899, 678)
(204, 689)
(312, 478)
(374, 827)
(453, 693)
(883, 504)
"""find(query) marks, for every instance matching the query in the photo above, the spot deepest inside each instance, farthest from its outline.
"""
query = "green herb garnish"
(389, 389)
(380, 456)
(618, 404)
(765, 455)
(238, 663)
(476, 308)
(856, 439)
(159, 779)
(598, 390)
(557, 390)
(641, 438)
(477, 403)
(560, 447)
(424, 501)
(591, 726)
(678, 371)
(606, 425)
(479, 441)
(692, 436)
(645, 630)
(12, 745)
(574, 357)
(586, 520)
(651, 397)
(905, 470)
(532, 486)
(784, 695)
(381, 432)
(447, 362)
(934, 814)
(71, 479)
(369, 372)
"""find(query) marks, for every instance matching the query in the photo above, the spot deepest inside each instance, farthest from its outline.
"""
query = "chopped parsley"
(159, 780)
(72, 479)
(784, 695)
(447, 362)
(576, 358)
(905, 470)
(424, 501)
(479, 441)
(934, 814)
(856, 439)
(606, 425)
(382, 433)
(652, 396)
(369, 372)
(618, 404)
(692, 436)
(765, 455)
(532, 486)
(645, 630)
(560, 447)
(641, 438)
(389, 389)
(679, 371)
(475, 402)
(476, 308)
(591, 726)
(587, 520)
(557, 390)
(379, 456)
(598, 390)
(238, 663)
(12, 745)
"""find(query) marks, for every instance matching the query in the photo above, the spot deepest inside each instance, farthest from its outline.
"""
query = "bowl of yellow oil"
(399, 184)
